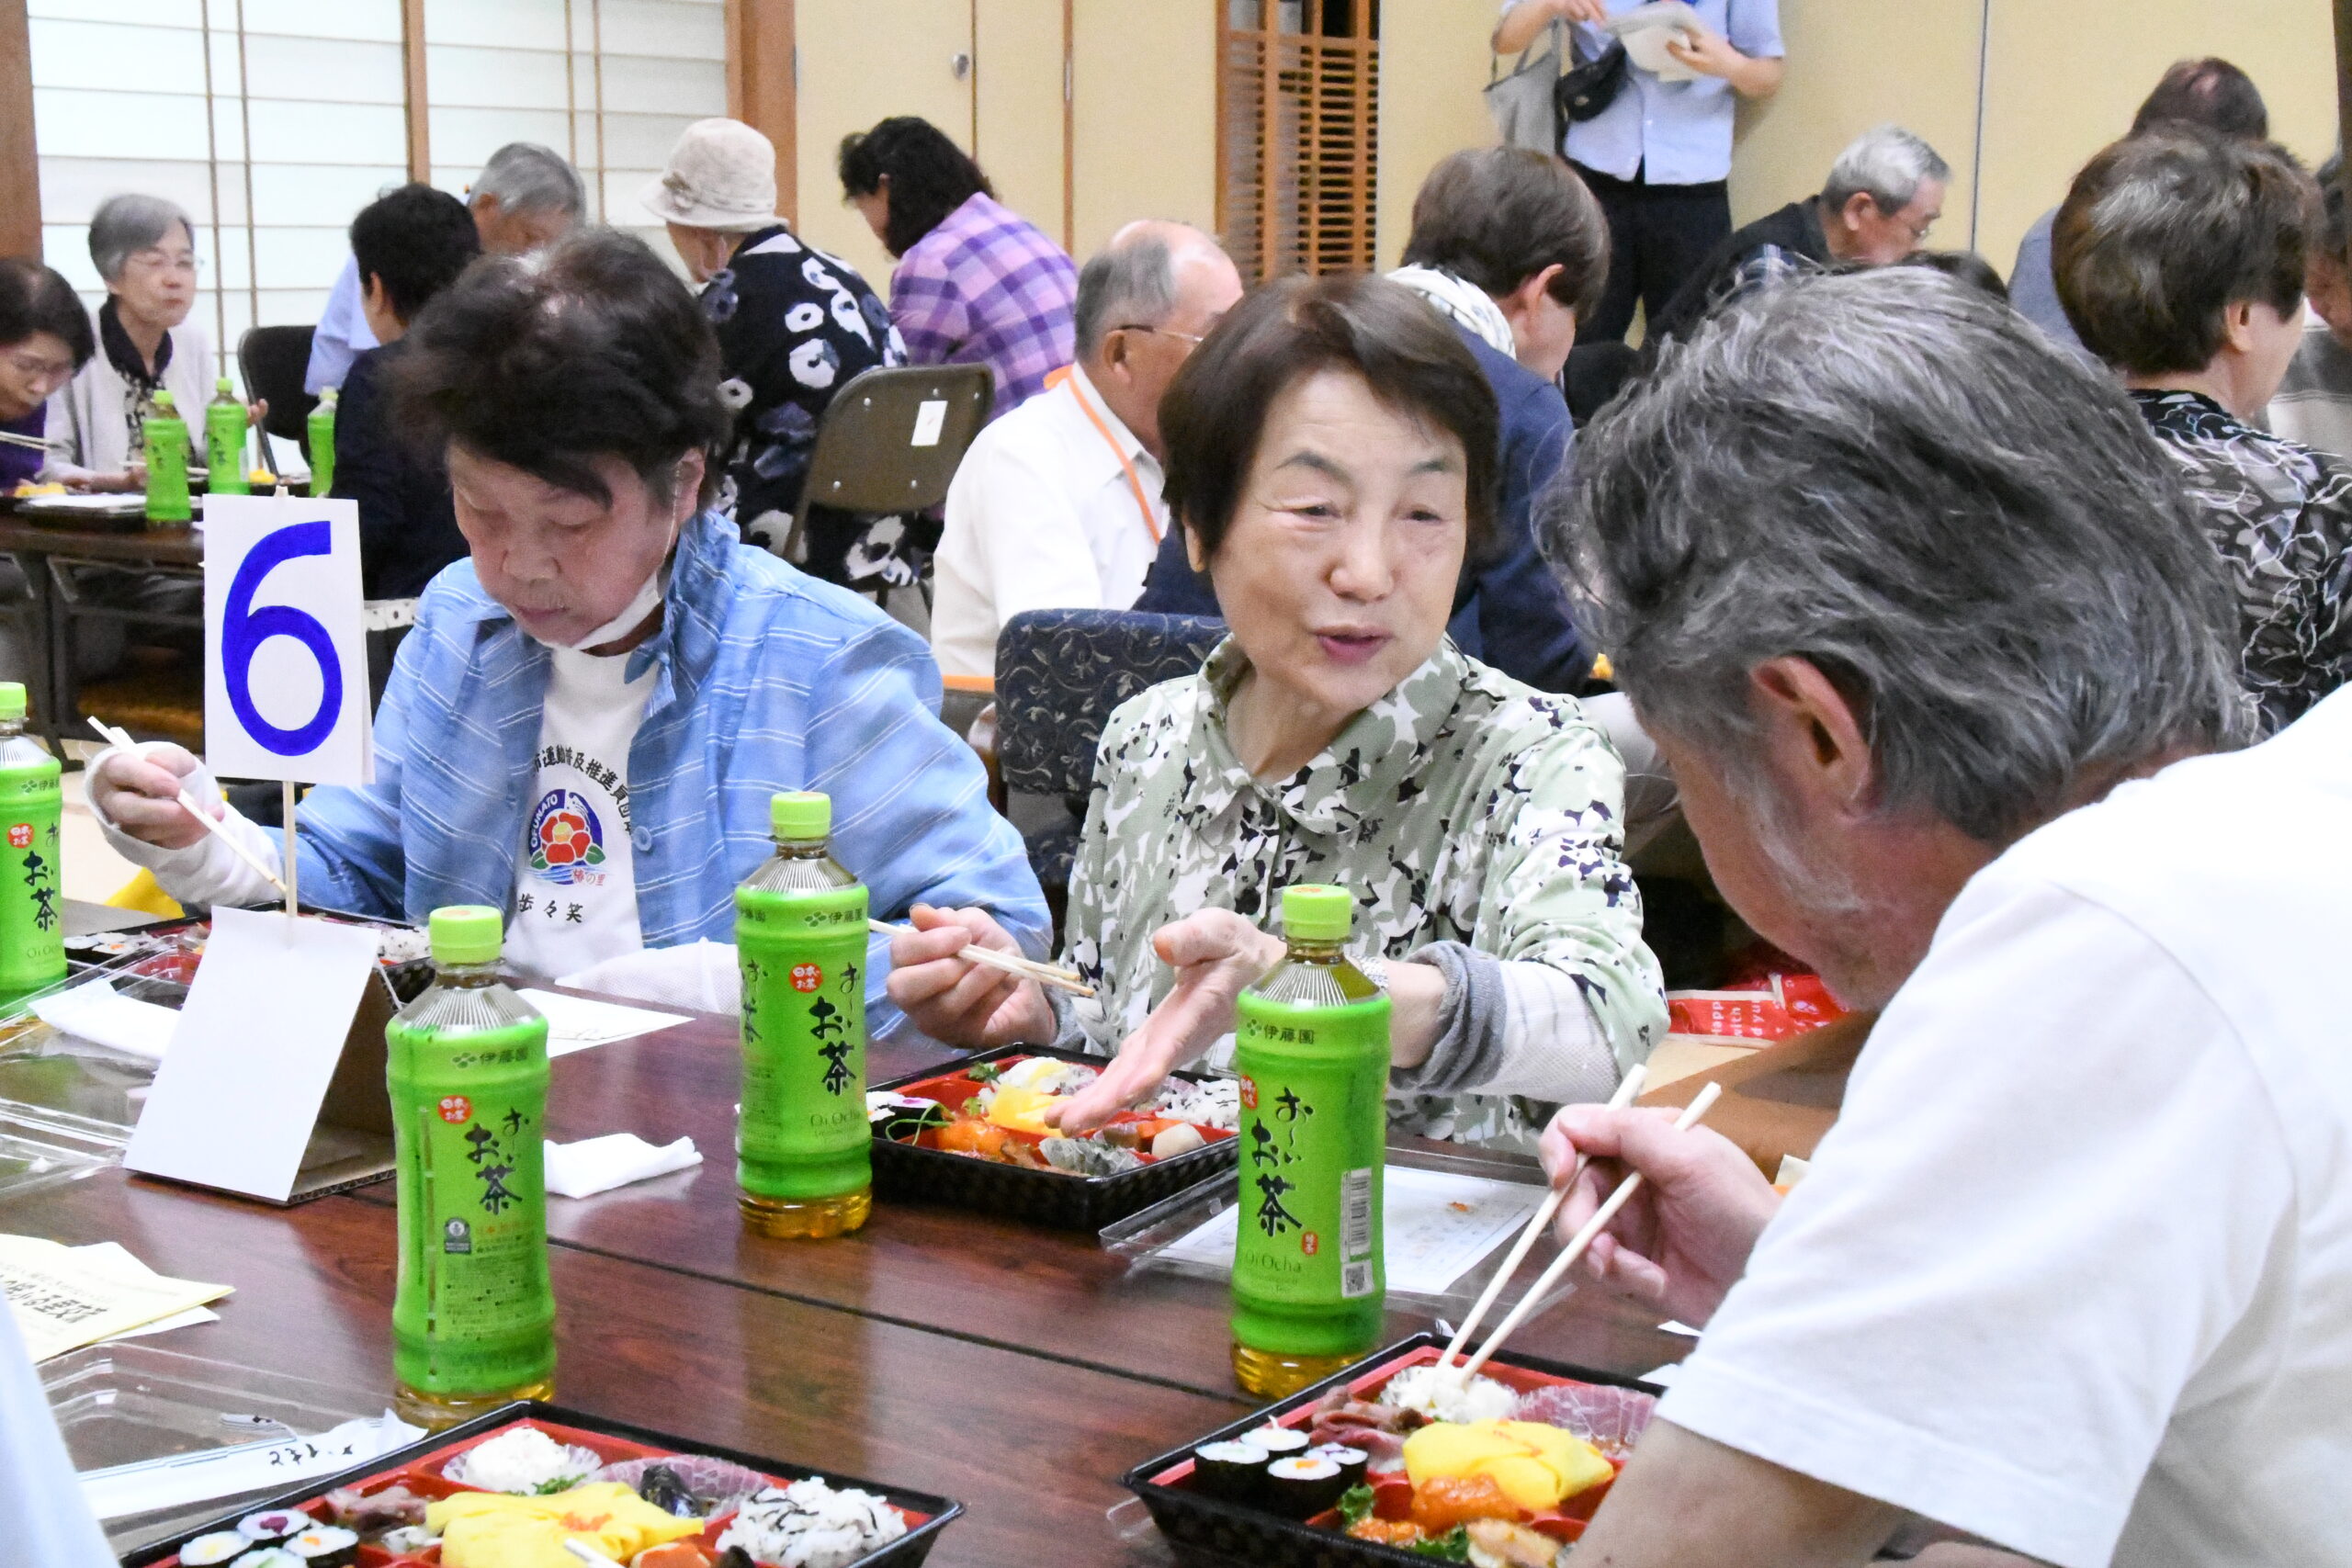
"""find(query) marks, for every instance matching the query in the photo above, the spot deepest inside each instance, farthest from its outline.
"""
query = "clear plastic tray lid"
(127, 1404)
(68, 1105)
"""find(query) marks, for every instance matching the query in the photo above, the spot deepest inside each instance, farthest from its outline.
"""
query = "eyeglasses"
(1194, 338)
(156, 260)
(33, 367)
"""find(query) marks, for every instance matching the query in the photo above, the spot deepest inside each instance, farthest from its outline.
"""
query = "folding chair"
(891, 441)
(275, 360)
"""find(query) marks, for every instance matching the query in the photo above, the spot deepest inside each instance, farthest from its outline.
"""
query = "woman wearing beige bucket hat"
(794, 325)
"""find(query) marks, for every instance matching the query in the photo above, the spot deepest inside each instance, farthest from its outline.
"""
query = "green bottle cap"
(163, 403)
(223, 388)
(801, 814)
(12, 700)
(464, 933)
(1315, 912)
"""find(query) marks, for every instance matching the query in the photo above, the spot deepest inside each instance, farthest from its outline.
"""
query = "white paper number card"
(285, 653)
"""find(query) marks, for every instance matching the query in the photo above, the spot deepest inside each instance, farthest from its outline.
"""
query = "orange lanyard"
(1063, 378)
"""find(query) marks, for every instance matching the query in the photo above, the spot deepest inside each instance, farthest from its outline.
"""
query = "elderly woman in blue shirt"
(588, 721)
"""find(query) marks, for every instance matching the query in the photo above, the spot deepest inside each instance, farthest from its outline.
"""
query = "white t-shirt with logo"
(2074, 1271)
(575, 880)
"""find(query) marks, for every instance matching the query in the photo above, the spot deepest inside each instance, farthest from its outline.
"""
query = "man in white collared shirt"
(1057, 505)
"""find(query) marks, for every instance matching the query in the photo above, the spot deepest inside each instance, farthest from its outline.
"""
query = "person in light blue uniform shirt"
(588, 722)
(527, 196)
(1659, 156)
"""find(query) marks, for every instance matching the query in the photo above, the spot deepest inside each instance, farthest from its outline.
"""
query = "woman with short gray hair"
(144, 248)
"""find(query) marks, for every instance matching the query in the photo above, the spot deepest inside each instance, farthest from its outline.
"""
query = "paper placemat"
(574, 1023)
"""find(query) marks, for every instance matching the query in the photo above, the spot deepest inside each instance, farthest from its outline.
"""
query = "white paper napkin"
(599, 1164)
(96, 1013)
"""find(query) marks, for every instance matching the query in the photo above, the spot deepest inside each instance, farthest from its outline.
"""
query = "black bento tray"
(905, 1173)
(906, 1551)
(1211, 1530)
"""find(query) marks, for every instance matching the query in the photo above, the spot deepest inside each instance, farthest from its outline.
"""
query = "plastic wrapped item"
(1450, 1216)
(128, 1408)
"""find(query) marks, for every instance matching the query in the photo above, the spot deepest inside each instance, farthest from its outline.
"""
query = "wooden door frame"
(763, 87)
(19, 155)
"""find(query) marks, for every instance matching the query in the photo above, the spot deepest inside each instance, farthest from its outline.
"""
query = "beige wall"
(2058, 83)
(1145, 115)
(847, 82)
(1019, 111)
(1852, 64)
(2062, 83)
(1432, 67)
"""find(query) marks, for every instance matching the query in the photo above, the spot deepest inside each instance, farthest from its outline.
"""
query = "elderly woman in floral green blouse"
(1332, 451)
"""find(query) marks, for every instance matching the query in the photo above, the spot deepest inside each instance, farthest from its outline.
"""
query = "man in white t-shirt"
(1057, 506)
(2073, 1274)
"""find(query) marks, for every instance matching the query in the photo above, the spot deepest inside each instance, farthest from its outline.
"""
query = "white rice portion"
(1216, 1103)
(521, 1463)
(1439, 1394)
(811, 1525)
(1048, 1076)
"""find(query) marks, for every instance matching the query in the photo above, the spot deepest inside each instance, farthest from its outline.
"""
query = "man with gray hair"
(1058, 504)
(1884, 194)
(1948, 676)
(527, 196)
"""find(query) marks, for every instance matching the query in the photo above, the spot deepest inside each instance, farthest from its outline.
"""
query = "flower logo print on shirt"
(567, 839)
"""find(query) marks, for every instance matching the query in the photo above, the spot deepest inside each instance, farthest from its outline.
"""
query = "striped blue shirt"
(765, 679)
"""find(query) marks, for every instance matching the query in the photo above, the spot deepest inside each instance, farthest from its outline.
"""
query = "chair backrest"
(1061, 672)
(275, 360)
(891, 439)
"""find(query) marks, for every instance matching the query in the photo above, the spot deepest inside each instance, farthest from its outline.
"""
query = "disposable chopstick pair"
(30, 443)
(115, 737)
(1626, 1091)
(1011, 964)
(1559, 1267)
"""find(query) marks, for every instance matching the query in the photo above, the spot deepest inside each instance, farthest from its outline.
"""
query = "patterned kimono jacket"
(1461, 807)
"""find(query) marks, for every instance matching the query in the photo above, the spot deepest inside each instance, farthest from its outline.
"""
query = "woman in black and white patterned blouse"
(2179, 256)
(795, 325)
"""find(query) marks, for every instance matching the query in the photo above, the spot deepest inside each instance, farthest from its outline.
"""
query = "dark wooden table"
(1020, 1370)
(39, 547)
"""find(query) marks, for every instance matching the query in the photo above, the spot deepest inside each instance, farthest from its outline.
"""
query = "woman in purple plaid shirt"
(976, 283)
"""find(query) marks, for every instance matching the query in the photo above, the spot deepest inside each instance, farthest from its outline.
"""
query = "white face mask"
(631, 617)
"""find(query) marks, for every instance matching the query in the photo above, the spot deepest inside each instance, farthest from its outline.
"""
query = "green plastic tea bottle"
(32, 925)
(1312, 1050)
(166, 433)
(473, 1318)
(802, 1146)
(224, 443)
(322, 443)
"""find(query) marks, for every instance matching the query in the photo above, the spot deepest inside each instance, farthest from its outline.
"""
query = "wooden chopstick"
(1011, 964)
(1592, 1228)
(1536, 1226)
(114, 737)
(32, 443)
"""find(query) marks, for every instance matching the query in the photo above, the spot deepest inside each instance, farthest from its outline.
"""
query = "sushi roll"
(1230, 1471)
(1278, 1443)
(1353, 1463)
(326, 1546)
(268, 1557)
(213, 1550)
(273, 1525)
(1304, 1486)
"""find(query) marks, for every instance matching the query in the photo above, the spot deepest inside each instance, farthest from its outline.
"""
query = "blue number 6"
(243, 630)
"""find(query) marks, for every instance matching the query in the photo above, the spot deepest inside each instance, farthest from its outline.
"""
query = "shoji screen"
(271, 121)
(609, 84)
